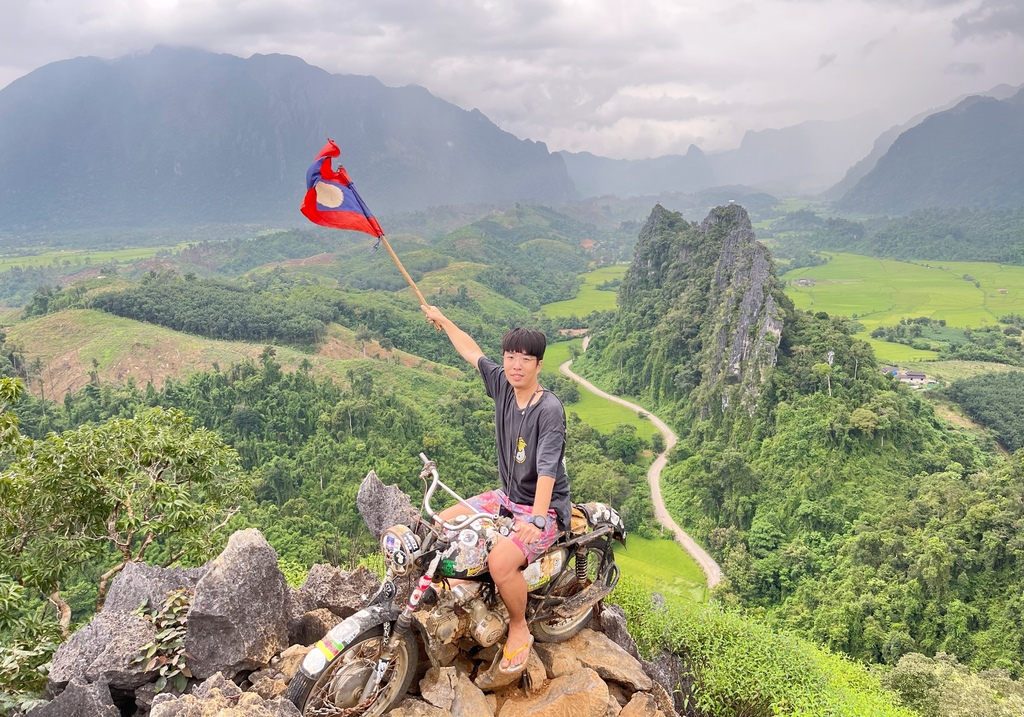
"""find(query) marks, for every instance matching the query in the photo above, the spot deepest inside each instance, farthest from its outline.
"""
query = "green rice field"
(71, 258)
(602, 414)
(590, 298)
(662, 565)
(879, 292)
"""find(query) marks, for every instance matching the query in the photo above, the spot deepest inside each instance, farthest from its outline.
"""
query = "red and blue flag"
(332, 200)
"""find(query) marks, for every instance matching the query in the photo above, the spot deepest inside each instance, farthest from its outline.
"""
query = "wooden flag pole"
(408, 278)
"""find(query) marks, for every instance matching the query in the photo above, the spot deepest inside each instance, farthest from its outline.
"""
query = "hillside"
(181, 137)
(971, 155)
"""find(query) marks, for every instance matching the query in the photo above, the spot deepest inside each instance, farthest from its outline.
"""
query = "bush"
(740, 667)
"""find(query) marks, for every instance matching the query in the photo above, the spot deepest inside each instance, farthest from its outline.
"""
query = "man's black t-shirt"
(531, 442)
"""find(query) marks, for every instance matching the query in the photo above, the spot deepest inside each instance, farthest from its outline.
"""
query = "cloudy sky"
(620, 79)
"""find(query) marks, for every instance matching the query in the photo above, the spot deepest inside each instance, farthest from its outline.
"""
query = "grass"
(590, 298)
(949, 371)
(602, 414)
(662, 565)
(879, 292)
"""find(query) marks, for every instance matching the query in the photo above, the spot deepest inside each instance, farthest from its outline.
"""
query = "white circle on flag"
(329, 195)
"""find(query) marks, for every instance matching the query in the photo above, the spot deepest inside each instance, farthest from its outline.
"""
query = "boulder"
(103, 650)
(596, 651)
(558, 659)
(238, 618)
(328, 587)
(582, 694)
(451, 690)
(138, 583)
(219, 697)
(384, 505)
(79, 699)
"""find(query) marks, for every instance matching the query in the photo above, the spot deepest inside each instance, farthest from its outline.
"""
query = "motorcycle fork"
(402, 625)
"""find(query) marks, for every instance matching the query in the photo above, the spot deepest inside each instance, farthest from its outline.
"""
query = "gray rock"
(238, 619)
(139, 582)
(384, 505)
(669, 672)
(312, 626)
(612, 622)
(79, 699)
(339, 591)
(103, 650)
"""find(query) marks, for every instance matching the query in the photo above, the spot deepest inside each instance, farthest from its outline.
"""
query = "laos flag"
(331, 199)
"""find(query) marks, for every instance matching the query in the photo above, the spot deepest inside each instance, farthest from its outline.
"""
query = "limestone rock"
(582, 694)
(103, 650)
(598, 652)
(238, 618)
(219, 697)
(451, 690)
(384, 505)
(312, 626)
(612, 622)
(339, 591)
(139, 582)
(669, 672)
(558, 659)
(79, 699)
(642, 705)
(411, 707)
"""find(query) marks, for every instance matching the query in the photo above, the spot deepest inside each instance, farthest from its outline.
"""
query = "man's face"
(521, 369)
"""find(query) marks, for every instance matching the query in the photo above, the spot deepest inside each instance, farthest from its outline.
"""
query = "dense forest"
(840, 507)
(996, 401)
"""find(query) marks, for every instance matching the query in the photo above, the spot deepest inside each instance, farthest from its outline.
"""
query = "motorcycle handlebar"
(459, 521)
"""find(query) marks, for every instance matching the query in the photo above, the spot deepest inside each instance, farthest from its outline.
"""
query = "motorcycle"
(364, 665)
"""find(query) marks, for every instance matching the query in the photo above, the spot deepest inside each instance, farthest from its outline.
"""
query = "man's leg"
(504, 562)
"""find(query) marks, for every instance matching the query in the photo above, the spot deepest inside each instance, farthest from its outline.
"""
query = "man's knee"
(505, 559)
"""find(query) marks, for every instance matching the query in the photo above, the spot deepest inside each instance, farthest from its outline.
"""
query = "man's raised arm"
(462, 341)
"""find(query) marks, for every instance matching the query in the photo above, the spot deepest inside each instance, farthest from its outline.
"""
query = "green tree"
(108, 492)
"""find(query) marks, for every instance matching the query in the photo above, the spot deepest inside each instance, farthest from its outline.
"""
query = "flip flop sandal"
(509, 656)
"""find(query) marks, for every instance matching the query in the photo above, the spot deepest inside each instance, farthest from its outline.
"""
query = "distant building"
(805, 282)
(1002, 291)
(890, 370)
(914, 378)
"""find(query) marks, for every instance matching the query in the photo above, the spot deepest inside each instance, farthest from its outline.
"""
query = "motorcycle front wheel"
(339, 688)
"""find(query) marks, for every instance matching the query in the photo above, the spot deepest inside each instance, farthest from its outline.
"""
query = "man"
(530, 433)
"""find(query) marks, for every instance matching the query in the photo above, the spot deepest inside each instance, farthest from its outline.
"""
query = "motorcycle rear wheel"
(561, 629)
(336, 691)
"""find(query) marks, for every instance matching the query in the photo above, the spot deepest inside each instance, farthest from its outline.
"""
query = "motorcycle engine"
(462, 612)
(486, 626)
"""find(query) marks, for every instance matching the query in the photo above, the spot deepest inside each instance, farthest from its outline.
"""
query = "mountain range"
(184, 138)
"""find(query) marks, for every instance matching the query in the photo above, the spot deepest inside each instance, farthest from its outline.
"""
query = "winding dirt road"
(706, 562)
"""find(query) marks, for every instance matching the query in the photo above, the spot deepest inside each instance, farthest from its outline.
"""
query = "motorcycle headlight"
(399, 544)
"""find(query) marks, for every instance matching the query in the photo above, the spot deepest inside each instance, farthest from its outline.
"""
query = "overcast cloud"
(622, 80)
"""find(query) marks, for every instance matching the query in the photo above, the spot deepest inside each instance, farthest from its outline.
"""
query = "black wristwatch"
(539, 520)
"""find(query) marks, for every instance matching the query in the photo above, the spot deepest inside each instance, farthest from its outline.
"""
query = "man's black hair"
(526, 341)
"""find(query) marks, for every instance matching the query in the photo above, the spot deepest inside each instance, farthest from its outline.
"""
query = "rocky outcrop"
(747, 321)
(384, 505)
(239, 616)
(701, 315)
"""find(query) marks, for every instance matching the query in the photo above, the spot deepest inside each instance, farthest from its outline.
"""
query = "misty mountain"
(179, 137)
(596, 176)
(969, 156)
(886, 139)
(801, 159)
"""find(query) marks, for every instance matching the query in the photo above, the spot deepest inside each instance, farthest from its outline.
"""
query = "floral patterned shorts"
(494, 500)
